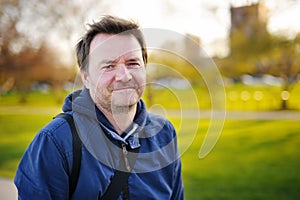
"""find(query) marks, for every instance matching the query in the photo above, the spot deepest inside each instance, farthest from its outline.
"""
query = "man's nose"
(123, 73)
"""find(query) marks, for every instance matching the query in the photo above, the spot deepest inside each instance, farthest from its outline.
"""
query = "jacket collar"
(130, 135)
(81, 103)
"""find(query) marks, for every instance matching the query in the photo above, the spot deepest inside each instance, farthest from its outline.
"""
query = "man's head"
(112, 58)
(108, 25)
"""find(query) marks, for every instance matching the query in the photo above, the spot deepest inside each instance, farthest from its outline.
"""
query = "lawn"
(16, 133)
(253, 159)
(237, 97)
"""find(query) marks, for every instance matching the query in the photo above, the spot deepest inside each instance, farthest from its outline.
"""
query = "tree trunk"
(284, 104)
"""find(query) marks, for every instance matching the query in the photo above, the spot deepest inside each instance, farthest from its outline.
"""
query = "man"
(117, 132)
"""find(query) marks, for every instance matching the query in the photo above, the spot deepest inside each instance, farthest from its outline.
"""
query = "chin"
(125, 99)
(125, 103)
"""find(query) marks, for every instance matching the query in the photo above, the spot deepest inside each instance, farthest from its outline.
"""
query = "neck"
(120, 117)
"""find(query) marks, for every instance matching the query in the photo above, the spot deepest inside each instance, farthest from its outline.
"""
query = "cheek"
(140, 77)
(103, 84)
(97, 79)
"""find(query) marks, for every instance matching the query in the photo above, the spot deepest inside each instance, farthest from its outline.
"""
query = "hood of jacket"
(152, 132)
(94, 128)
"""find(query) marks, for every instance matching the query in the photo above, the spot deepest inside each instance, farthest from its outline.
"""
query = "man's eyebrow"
(134, 59)
(107, 61)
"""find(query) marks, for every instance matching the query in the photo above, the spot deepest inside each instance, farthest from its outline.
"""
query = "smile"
(124, 88)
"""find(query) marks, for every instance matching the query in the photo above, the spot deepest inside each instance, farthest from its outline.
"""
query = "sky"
(180, 16)
(208, 19)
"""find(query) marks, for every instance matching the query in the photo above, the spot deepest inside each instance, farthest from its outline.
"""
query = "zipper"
(125, 155)
(135, 126)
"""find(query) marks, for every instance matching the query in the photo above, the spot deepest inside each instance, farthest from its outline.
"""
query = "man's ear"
(85, 78)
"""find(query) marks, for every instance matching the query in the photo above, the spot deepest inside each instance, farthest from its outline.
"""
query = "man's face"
(116, 74)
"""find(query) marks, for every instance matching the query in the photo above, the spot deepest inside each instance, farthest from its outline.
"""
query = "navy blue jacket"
(45, 167)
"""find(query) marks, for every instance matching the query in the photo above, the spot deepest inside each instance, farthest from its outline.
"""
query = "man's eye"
(133, 64)
(108, 67)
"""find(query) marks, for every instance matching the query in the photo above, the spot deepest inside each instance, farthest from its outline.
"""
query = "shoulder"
(53, 141)
(58, 132)
(46, 162)
(158, 121)
(159, 128)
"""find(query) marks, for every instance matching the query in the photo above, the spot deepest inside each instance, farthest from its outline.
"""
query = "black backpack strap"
(120, 179)
(114, 189)
(77, 146)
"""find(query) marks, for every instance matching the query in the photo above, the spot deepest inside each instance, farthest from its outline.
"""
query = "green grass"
(252, 160)
(260, 97)
(238, 97)
(16, 131)
(192, 98)
(34, 99)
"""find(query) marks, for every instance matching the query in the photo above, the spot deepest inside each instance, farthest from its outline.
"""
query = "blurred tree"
(284, 62)
(163, 64)
(31, 36)
(246, 50)
(182, 58)
(264, 54)
(254, 51)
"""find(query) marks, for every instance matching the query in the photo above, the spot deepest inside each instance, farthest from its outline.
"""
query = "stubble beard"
(118, 103)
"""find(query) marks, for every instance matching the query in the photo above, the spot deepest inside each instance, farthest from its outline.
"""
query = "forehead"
(106, 46)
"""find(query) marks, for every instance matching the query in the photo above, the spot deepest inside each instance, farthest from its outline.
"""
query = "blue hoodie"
(45, 167)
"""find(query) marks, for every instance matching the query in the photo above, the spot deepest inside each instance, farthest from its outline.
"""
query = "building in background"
(248, 19)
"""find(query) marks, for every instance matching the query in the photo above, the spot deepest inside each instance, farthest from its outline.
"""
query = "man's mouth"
(123, 89)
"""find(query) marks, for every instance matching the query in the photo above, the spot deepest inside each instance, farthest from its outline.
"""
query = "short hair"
(108, 25)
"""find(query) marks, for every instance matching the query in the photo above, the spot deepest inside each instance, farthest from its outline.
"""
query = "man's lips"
(120, 86)
(123, 88)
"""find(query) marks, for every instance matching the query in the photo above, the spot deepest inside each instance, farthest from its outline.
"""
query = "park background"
(256, 155)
